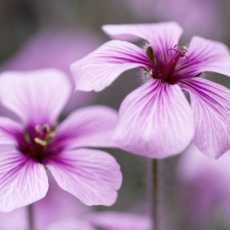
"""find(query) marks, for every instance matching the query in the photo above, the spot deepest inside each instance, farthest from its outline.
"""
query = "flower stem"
(154, 200)
(30, 217)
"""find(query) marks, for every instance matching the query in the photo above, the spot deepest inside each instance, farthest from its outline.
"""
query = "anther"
(42, 128)
(150, 54)
(41, 142)
(27, 137)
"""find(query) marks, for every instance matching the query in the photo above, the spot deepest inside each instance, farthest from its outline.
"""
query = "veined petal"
(155, 121)
(35, 96)
(211, 108)
(159, 35)
(22, 181)
(101, 67)
(92, 176)
(205, 55)
(120, 221)
(89, 127)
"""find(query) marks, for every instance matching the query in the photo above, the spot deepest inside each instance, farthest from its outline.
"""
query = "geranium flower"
(36, 143)
(111, 220)
(157, 119)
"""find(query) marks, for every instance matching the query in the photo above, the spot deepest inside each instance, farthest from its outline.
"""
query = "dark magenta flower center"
(163, 66)
(34, 142)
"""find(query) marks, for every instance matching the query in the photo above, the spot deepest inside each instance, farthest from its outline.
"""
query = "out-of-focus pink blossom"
(71, 224)
(16, 220)
(105, 220)
(202, 17)
(52, 49)
(55, 49)
(205, 184)
(57, 205)
(60, 211)
(120, 221)
(156, 120)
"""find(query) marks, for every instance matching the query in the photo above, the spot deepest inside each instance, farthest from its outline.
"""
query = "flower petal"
(35, 96)
(120, 221)
(162, 35)
(8, 131)
(101, 67)
(88, 127)
(90, 175)
(22, 181)
(205, 55)
(211, 108)
(155, 121)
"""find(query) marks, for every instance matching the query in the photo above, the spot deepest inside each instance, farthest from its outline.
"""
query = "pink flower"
(14, 220)
(157, 120)
(71, 224)
(205, 184)
(36, 143)
(60, 48)
(120, 221)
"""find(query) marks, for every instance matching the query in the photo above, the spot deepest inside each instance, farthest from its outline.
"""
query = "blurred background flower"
(197, 17)
(55, 49)
(16, 219)
(206, 188)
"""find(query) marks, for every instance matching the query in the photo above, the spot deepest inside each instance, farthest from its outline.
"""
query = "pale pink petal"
(8, 131)
(211, 108)
(35, 96)
(155, 121)
(70, 224)
(159, 35)
(92, 176)
(22, 182)
(88, 127)
(120, 221)
(205, 55)
(101, 67)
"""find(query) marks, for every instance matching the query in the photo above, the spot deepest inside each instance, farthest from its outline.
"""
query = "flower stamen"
(35, 141)
(164, 68)
(150, 54)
